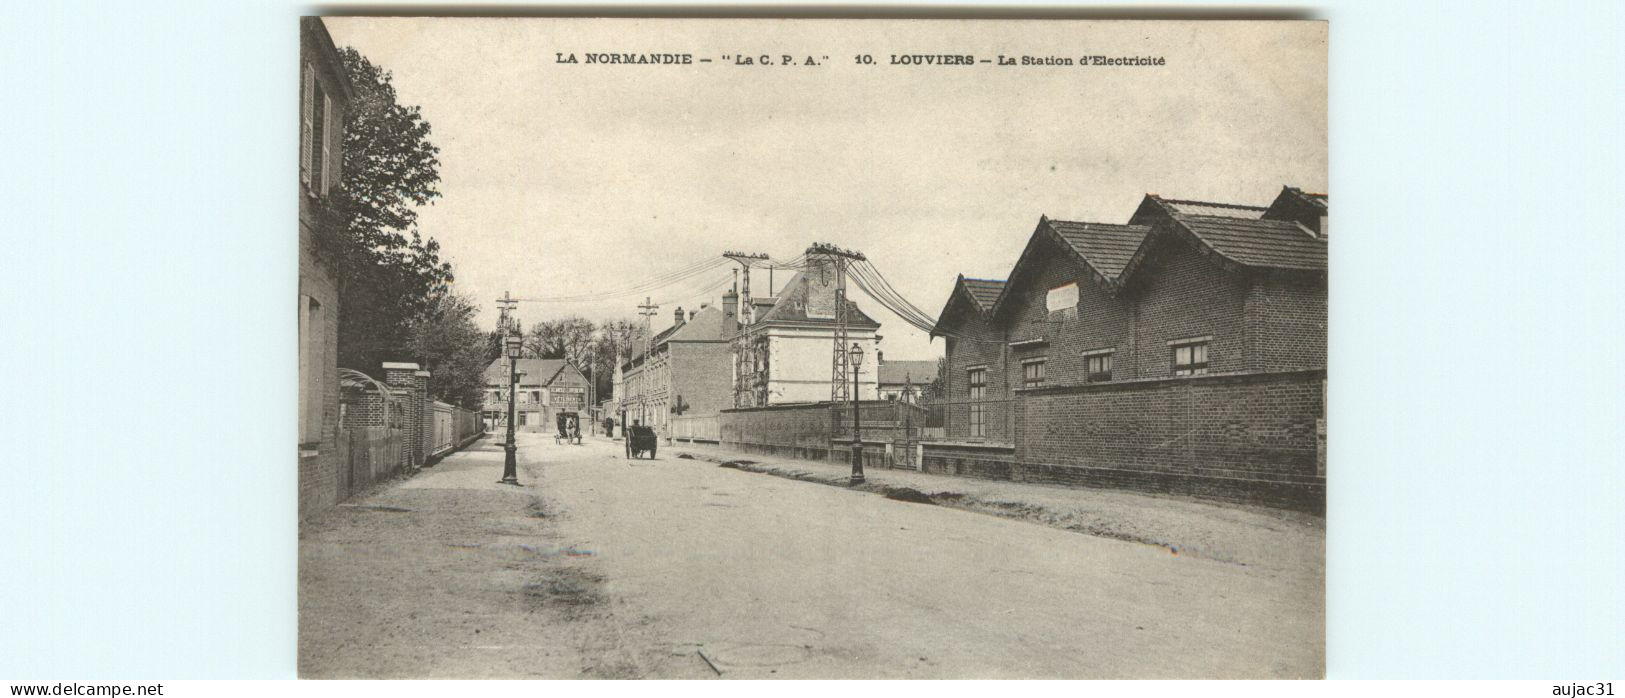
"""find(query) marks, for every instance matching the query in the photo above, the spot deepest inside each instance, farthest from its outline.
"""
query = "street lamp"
(510, 464)
(856, 355)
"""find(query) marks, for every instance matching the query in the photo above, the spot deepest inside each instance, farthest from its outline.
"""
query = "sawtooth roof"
(980, 294)
(1239, 237)
(984, 291)
(1105, 246)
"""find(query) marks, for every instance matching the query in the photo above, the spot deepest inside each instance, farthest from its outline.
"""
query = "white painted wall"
(799, 368)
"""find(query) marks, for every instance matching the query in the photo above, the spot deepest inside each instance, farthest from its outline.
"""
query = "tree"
(389, 273)
(566, 338)
(617, 341)
(446, 341)
(937, 389)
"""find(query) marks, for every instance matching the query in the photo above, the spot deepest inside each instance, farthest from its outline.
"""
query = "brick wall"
(319, 460)
(1100, 321)
(1184, 295)
(1286, 324)
(994, 462)
(402, 377)
(702, 373)
(1247, 437)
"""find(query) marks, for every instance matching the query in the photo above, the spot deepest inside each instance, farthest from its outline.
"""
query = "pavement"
(600, 567)
(1287, 541)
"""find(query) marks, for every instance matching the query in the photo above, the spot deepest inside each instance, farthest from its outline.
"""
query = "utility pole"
(506, 304)
(647, 310)
(836, 260)
(745, 377)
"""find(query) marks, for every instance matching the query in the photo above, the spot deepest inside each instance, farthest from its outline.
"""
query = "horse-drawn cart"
(569, 429)
(641, 442)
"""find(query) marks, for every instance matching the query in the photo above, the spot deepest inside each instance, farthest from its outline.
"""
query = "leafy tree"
(617, 341)
(937, 388)
(566, 338)
(389, 273)
(447, 342)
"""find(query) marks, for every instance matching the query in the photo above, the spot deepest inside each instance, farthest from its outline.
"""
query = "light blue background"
(148, 492)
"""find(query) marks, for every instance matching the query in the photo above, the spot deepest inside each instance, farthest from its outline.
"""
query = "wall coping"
(400, 365)
(1137, 383)
(990, 445)
(825, 404)
(421, 374)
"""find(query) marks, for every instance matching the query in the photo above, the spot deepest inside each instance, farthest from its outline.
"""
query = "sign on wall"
(1062, 298)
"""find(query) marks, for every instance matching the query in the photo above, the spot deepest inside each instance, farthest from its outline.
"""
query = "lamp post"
(510, 464)
(856, 356)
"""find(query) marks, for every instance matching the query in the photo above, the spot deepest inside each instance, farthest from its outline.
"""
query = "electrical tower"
(506, 303)
(647, 310)
(836, 259)
(746, 370)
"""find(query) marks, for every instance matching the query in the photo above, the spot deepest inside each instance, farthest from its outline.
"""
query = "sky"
(569, 179)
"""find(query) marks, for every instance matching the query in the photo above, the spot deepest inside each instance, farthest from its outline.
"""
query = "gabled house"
(1182, 350)
(546, 387)
(1184, 288)
(792, 343)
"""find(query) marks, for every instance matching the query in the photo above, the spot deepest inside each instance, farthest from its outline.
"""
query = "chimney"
(677, 317)
(691, 314)
(730, 306)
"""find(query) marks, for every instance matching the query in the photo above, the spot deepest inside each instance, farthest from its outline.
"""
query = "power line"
(663, 280)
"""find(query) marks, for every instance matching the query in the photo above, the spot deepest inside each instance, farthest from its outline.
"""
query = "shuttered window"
(328, 133)
(307, 125)
(318, 138)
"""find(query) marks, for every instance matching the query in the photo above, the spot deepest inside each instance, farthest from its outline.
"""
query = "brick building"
(1183, 350)
(546, 387)
(687, 371)
(324, 95)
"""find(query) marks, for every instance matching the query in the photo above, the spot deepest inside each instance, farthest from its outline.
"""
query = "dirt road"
(603, 567)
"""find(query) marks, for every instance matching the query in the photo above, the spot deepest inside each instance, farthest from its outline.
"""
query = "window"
(978, 389)
(307, 124)
(327, 144)
(318, 136)
(524, 419)
(1190, 359)
(1032, 373)
(1098, 364)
